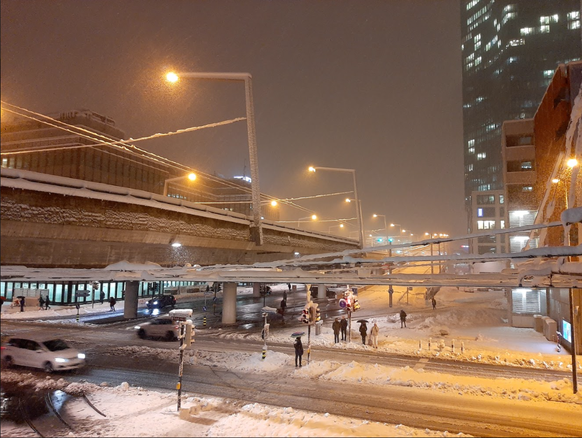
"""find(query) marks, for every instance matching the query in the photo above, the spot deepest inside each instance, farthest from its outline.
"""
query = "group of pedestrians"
(340, 326)
(43, 303)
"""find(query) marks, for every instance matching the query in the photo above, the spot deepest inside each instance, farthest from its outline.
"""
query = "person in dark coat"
(433, 303)
(402, 318)
(363, 332)
(22, 304)
(47, 303)
(298, 351)
(41, 303)
(336, 326)
(112, 302)
(283, 306)
(344, 328)
(102, 297)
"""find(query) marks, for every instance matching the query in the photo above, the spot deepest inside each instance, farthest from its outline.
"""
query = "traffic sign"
(82, 293)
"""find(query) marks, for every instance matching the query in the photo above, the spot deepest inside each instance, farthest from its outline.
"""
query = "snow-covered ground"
(474, 322)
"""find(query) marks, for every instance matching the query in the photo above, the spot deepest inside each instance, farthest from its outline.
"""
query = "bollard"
(264, 352)
(429, 344)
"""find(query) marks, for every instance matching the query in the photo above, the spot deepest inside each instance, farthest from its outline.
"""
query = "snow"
(474, 322)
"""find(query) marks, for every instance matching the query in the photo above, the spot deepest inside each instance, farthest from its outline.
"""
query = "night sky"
(368, 85)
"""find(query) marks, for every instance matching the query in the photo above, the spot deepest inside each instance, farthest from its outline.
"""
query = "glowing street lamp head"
(172, 77)
(311, 169)
(192, 176)
(348, 200)
(572, 162)
(314, 217)
(273, 203)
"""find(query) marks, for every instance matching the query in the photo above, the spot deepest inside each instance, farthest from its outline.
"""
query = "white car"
(161, 327)
(47, 353)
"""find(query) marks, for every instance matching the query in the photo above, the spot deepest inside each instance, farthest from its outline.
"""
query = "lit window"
(481, 156)
(478, 61)
(544, 20)
(471, 150)
(527, 189)
(470, 168)
(574, 24)
(526, 165)
(471, 142)
(501, 199)
(554, 18)
(479, 212)
(545, 29)
(526, 30)
(517, 42)
(490, 127)
(548, 73)
(574, 15)
(502, 224)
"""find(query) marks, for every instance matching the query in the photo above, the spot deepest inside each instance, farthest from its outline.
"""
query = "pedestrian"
(285, 295)
(112, 302)
(47, 303)
(363, 331)
(433, 303)
(336, 326)
(22, 304)
(40, 303)
(374, 335)
(298, 350)
(2, 299)
(344, 328)
(283, 306)
(402, 318)
(102, 296)
(289, 286)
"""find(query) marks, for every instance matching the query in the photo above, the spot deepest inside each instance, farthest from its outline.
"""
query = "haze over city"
(373, 86)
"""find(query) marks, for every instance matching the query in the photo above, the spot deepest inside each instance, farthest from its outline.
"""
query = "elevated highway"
(55, 222)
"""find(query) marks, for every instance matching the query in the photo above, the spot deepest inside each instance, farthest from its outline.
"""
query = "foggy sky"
(368, 85)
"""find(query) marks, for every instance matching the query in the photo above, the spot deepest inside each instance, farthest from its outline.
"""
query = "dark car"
(161, 301)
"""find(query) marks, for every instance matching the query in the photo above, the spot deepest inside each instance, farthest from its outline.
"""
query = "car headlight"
(137, 327)
(155, 303)
(61, 359)
(81, 356)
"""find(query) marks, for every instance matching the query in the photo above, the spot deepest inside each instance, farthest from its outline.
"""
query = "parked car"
(161, 327)
(161, 301)
(47, 353)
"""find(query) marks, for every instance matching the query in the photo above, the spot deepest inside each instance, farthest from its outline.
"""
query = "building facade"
(510, 51)
(538, 181)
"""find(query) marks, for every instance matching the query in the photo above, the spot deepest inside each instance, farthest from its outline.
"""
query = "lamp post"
(358, 205)
(256, 229)
(190, 176)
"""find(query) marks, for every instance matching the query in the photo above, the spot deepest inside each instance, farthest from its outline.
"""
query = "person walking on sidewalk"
(47, 303)
(336, 326)
(298, 351)
(374, 335)
(402, 318)
(40, 303)
(112, 302)
(363, 332)
(344, 328)
(433, 303)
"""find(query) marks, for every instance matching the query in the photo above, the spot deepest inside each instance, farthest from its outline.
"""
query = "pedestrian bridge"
(51, 221)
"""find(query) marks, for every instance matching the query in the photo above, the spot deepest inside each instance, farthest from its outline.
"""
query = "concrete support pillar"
(321, 291)
(130, 304)
(256, 289)
(229, 303)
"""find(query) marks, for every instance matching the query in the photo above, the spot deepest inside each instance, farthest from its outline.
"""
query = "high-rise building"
(510, 51)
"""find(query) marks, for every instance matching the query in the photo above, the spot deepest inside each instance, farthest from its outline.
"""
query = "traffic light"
(305, 316)
(317, 314)
(189, 333)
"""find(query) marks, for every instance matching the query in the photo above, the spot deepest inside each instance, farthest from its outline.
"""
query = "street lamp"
(191, 176)
(256, 229)
(313, 217)
(358, 204)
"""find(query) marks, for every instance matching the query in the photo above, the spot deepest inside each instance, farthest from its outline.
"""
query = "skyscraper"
(510, 51)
